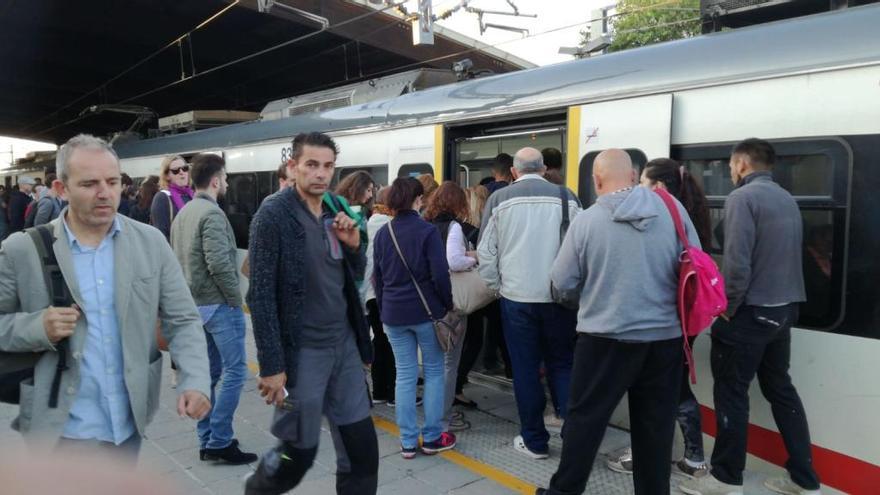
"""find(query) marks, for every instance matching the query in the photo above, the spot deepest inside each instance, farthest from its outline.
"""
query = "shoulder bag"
(469, 291)
(448, 329)
(19, 366)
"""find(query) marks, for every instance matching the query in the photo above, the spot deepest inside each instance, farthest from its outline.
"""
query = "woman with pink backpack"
(664, 173)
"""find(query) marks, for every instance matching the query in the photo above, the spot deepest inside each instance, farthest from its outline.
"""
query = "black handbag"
(19, 366)
(449, 328)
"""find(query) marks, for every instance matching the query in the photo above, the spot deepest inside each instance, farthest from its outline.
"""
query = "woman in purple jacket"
(407, 324)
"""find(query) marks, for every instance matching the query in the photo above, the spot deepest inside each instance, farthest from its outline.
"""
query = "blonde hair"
(163, 170)
(476, 199)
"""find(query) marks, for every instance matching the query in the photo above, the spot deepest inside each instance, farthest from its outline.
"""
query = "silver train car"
(811, 86)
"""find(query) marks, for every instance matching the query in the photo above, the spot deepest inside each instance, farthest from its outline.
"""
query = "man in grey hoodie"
(621, 256)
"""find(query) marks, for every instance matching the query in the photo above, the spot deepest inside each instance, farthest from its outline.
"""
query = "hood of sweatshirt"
(637, 207)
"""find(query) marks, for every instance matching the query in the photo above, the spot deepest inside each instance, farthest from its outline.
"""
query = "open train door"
(641, 126)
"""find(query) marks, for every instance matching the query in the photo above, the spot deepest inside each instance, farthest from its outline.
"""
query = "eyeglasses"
(175, 171)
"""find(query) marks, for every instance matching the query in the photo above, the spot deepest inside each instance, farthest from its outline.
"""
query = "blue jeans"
(226, 355)
(405, 341)
(538, 333)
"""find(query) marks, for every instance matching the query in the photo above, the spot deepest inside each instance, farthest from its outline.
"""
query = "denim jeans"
(538, 333)
(406, 341)
(688, 417)
(224, 332)
(757, 341)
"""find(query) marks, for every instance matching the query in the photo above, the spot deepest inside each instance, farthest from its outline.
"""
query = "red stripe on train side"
(835, 469)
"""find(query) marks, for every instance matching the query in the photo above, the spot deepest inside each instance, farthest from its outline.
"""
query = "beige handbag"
(470, 292)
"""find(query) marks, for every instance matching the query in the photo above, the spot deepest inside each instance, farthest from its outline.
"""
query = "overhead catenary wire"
(233, 62)
(477, 46)
(100, 87)
(451, 55)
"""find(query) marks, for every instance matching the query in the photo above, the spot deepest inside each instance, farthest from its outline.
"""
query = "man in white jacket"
(519, 238)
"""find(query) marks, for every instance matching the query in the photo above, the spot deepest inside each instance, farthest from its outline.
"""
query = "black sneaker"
(202, 451)
(231, 455)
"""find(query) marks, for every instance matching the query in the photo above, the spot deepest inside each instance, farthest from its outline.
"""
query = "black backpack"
(19, 366)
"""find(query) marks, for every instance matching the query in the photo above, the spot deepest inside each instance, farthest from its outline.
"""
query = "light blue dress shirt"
(101, 410)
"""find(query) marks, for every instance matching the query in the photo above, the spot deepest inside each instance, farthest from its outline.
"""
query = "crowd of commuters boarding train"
(390, 261)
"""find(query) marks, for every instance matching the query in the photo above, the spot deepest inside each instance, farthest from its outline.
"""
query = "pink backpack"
(701, 296)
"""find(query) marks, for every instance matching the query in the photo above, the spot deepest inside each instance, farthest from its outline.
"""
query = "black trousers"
(383, 372)
(495, 340)
(605, 369)
(473, 344)
(757, 341)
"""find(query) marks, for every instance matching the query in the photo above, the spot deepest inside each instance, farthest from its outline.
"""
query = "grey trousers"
(330, 382)
(450, 374)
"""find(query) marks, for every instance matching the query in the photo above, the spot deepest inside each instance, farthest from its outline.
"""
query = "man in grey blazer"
(121, 275)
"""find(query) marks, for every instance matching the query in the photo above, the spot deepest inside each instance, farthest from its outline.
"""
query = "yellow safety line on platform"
(503, 478)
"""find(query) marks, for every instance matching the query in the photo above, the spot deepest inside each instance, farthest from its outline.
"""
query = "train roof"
(807, 44)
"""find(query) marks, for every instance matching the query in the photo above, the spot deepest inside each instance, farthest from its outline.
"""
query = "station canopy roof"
(59, 59)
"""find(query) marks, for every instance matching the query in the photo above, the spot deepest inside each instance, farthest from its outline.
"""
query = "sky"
(12, 148)
(540, 49)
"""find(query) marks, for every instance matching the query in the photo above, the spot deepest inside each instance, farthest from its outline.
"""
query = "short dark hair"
(204, 167)
(761, 153)
(51, 177)
(403, 191)
(124, 178)
(502, 163)
(552, 158)
(282, 170)
(313, 138)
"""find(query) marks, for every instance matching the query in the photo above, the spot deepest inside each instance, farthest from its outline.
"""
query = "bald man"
(520, 236)
(620, 260)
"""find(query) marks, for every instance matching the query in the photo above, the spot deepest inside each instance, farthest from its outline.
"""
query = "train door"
(641, 126)
(473, 147)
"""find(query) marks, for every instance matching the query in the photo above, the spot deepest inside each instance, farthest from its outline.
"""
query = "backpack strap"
(566, 221)
(676, 216)
(59, 295)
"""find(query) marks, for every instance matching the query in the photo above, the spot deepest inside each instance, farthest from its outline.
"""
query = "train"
(810, 86)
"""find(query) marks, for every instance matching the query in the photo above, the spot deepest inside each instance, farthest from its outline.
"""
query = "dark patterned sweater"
(277, 287)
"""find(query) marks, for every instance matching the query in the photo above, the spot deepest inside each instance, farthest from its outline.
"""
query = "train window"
(586, 193)
(802, 175)
(512, 144)
(243, 195)
(816, 173)
(415, 169)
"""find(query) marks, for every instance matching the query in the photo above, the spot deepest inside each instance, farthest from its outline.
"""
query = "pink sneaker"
(446, 441)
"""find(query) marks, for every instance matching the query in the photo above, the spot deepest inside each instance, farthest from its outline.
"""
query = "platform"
(483, 463)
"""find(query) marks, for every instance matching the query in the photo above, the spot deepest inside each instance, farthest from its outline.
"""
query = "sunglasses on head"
(176, 171)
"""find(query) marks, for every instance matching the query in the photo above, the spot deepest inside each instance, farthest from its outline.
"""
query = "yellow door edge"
(573, 152)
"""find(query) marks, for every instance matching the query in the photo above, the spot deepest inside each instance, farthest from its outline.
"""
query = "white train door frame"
(642, 126)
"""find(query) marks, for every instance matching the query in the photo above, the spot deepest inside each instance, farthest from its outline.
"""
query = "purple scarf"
(177, 193)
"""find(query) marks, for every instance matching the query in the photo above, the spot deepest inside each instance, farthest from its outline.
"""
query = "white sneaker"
(786, 486)
(622, 463)
(520, 446)
(553, 422)
(709, 485)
